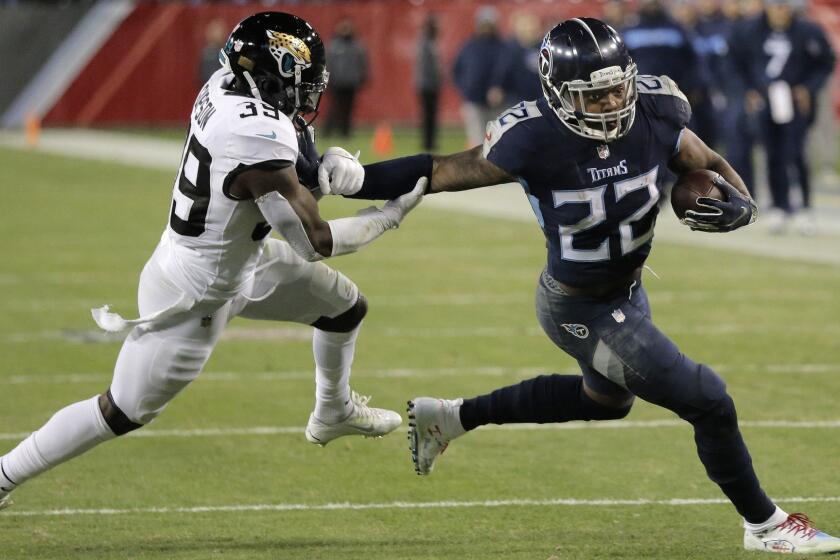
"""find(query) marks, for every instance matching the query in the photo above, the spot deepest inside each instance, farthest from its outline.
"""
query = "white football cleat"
(363, 421)
(432, 424)
(794, 536)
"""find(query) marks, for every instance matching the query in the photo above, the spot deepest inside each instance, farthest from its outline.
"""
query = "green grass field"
(451, 315)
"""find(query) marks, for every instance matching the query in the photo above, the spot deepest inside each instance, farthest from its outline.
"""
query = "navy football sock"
(724, 454)
(543, 399)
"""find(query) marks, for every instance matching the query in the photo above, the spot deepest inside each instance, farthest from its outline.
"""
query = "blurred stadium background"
(94, 102)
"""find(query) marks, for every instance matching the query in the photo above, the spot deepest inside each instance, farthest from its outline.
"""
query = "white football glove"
(340, 173)
(397, 209)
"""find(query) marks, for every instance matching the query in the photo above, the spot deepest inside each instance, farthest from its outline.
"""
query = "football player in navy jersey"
(588, 155)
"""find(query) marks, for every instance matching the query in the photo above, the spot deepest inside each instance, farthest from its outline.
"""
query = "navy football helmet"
(579, 57)
(280, 59)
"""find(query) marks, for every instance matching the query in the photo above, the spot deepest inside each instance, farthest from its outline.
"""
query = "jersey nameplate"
(203, 108)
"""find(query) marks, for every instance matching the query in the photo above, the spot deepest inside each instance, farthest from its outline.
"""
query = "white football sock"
(779, 516)
(333, 359)
(6, 484)
(71, 431)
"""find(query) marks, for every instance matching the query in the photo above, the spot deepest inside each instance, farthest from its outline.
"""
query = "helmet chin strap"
(252, 84)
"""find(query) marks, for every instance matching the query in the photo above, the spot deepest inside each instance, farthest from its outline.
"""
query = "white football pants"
(157, 361)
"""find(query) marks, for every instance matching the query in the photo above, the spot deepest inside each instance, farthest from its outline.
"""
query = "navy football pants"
(622, 354)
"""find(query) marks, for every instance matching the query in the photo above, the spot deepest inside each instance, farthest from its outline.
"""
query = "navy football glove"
(721, 216)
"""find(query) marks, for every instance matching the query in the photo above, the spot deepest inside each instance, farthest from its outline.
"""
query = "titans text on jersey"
(596, 203)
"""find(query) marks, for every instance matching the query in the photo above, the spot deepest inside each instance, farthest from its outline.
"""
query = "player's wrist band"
(390, 179)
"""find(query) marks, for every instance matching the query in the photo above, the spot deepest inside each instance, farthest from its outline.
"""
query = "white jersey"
(213, 241)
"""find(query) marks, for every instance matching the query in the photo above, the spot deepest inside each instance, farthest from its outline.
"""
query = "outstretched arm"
(464, 171)
(290, 209)
(390, 179)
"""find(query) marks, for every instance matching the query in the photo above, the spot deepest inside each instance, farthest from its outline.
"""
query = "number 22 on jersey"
(595, 198)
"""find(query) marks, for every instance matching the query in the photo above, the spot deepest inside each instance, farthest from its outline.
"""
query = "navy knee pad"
(114, 417)
(347, 321)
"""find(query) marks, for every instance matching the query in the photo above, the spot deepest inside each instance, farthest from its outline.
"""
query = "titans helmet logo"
(545, 62)
(289, 51)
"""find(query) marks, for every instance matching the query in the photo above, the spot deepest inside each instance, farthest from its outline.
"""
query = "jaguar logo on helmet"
(289, 51)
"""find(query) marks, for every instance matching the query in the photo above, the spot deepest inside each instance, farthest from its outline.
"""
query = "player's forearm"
(325, 239)
(312, 245)
(387, 180)
(351, 234)
(464, 171)
(695, 154)
(720, 165)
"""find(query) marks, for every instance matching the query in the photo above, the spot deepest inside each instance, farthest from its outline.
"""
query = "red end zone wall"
(146, 72)
(827, 14)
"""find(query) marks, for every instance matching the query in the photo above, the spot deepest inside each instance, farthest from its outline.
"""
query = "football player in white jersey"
(237, 182)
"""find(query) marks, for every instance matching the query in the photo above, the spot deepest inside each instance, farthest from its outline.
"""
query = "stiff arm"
(464, 171)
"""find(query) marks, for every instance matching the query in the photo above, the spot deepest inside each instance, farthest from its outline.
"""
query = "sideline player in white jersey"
(237, 182)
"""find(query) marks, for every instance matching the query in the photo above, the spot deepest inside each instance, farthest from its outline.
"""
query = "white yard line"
(294, 375)
(397, 373)
(524, 297)
(303, 334)
(603, 425)
(349, 506)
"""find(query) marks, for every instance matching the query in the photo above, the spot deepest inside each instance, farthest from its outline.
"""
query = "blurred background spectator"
(473, 72)
(738, 128)
(427, 80)
(659, 45)
(215, 35)
(347, 64)
(615, 13)
(711, 41)
(119, 47)
(784, 59)
(516, 77)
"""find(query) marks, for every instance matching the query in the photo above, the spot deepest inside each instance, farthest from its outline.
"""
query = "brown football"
(689, 187)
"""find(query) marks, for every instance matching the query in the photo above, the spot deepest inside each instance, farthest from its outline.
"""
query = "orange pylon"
(383, 140)
(32, 127)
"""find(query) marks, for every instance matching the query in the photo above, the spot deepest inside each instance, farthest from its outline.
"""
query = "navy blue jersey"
(595, 202)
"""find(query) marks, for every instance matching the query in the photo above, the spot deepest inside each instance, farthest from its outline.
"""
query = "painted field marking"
(350, 506)
(656, 295)
(304, 334)
(397, 373)
(603, 425)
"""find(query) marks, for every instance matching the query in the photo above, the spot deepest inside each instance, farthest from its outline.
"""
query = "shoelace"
(361, 402)
(798, 523)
